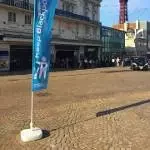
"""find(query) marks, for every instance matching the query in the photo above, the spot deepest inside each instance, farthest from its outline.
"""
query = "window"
(25, 4)
(67, 6)
(72, 8)
(11, 17)
(93, 16)
(87, 30)
(94, 12)
(27, 19)
(77, 30)
(64, 6)
(95, 33)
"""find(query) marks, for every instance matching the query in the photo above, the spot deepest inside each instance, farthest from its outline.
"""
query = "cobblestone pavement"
(99, 109)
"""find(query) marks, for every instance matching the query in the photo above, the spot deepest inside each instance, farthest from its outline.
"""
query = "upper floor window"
(67, 6)
(94, 12)
(25, 4)
(77, 29)
(95, 32)
(11, 17)
(64, 6)
(87, 31)
(93, 16)
(71, 8)
(28, 19)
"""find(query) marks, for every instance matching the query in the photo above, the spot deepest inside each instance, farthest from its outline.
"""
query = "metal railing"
(68, 14)
(18, 3)
(64, 13)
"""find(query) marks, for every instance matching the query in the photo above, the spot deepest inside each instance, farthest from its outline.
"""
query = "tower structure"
(123, 17)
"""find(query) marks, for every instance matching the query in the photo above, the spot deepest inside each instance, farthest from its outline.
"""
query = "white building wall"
(71, 30)
(66, 28)
(19, 25)
(3, 15)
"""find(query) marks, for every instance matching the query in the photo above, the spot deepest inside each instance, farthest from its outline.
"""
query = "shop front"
(20, 57)
(91, 55)
(4, 57)
(66, 56)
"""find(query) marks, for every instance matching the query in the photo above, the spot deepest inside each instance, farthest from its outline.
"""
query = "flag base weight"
(29, 135)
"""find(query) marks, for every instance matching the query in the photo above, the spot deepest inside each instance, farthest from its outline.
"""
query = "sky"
(137, 9)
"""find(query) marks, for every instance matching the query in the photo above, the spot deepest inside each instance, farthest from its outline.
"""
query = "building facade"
(137, 37)
(113, 41)
(76, 33)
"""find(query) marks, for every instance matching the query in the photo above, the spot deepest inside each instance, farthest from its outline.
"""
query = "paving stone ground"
(99, 109)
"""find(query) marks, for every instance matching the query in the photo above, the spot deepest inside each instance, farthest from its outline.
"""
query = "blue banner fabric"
(44, 11)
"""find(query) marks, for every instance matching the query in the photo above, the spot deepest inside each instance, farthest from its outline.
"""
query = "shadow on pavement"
(116, 71)
(103, 113)
(26, 72)
(14, 73)
(46, 133)
(107, 112)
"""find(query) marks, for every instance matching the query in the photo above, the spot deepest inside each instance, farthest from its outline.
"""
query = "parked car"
(139, 63)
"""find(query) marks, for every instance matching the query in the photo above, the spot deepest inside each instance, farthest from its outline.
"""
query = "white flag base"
(33, 134)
